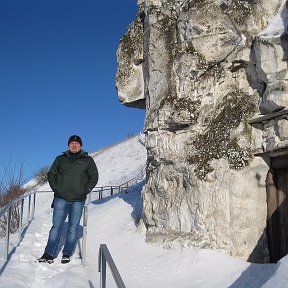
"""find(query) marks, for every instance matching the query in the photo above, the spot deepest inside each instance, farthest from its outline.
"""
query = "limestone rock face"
(203, 73)
(129, 77)
(271, 60)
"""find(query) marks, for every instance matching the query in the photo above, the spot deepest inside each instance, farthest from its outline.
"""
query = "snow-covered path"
(116, 165)
(111, 221)
(31, 247)
(141, 265)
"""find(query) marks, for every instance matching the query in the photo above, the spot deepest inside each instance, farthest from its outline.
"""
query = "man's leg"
(74, 217)
(60, 212)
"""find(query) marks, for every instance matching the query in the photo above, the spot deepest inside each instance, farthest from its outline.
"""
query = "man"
(72, 176)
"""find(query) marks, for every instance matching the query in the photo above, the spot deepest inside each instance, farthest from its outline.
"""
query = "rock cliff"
(202, 70)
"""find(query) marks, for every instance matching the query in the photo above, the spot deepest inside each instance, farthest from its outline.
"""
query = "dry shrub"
(41, 175)
(11, 187)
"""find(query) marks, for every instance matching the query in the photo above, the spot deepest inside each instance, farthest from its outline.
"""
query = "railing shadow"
(131, 195)
(13, 250)
(133, 198)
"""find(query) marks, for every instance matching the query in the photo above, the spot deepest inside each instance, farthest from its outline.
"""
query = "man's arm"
(52, 175)
(93, 176)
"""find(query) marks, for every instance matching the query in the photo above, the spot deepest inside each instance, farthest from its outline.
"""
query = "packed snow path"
(116, 164)
(112, 221)
(31, 247)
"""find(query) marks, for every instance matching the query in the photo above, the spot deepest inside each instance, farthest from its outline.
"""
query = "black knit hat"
(75, 138)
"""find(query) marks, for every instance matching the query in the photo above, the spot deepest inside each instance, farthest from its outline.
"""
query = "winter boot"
(46, 258)
(65, 259)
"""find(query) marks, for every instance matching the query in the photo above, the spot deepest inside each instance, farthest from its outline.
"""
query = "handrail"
(122, 187)
(103, 257)
(7, 209)
(85, 221)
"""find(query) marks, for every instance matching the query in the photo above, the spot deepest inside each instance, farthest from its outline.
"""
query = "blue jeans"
(61, 209)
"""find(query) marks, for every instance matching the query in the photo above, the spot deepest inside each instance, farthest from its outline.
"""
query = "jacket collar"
(82, 154)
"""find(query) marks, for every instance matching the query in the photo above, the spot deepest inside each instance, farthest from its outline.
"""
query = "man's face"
(74, 147)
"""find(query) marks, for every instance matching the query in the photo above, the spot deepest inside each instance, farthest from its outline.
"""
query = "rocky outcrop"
(129, 77)
(203, 70)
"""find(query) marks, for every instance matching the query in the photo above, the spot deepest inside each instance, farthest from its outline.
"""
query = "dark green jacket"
(71, 179)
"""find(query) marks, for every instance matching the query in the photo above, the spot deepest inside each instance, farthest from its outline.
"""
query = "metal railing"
(111, 190)
(85, 221)
(30, 205)
(105, 257)
(6, 213)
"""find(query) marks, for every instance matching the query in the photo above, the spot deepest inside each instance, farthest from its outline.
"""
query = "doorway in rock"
(277, 207)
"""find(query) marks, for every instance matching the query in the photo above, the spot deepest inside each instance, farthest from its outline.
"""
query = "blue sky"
(57, 78)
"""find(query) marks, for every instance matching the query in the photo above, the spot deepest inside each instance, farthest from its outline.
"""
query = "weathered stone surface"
(204, 74)
(270, 133)
(129, 77)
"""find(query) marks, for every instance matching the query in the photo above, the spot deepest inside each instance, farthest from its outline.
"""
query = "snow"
(277, 24)
(111, 221)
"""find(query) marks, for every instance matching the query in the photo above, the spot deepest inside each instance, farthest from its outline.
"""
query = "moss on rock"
(215, 143)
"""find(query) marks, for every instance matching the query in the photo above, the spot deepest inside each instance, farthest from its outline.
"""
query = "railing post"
(101, 193)
(111, 190)
(34, 206)
(102, 269)
(89, 197)
(85, 221)
(29, 208)
(21, 219)
(103, 258)
(9, 214)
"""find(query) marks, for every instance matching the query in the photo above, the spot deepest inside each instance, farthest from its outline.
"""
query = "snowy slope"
(118, 163)
(112, 221)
